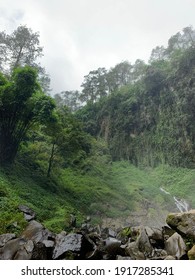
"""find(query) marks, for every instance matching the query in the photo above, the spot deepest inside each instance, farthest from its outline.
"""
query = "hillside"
(115, 195)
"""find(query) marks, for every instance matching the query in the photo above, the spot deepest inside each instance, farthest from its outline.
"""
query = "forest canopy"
(143, 111)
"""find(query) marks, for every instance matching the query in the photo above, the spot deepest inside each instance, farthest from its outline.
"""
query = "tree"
(120, 75)
(157, 53)
(94, 85)
(69, 99)
(68, 140)
(21, 48)
(22, 105)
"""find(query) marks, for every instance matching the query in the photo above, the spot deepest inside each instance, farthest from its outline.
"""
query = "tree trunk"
(51, 160)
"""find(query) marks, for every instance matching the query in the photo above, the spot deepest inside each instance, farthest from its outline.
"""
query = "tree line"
(143, 111)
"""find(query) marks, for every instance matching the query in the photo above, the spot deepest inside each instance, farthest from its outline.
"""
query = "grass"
(114, 190)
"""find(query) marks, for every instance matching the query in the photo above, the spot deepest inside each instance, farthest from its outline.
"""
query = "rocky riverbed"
(174, 241)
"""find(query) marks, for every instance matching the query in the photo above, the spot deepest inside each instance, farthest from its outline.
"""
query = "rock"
(133, 252)
(143, 242)
(111, 233)
(122, 258)
(40, 252)
(11, 248)
(112, 246)
(42, 238)
(183, 223)
(155, 236)
(169, 258)
(191, 253)
(4, 238)
(175, 246)
(37, 233)
(29, 214)
(29, 246)
(158, 254)
(75, 243)
(22, 255)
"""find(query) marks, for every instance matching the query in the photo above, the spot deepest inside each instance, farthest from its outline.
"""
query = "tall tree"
(69, 98)
(94, 85)
(120, 75)
(21, 48)
(22, 104)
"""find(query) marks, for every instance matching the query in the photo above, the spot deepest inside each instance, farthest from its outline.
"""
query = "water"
(181, 204)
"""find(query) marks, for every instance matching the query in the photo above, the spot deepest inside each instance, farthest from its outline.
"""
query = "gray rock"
(29, 214)
(36, 232)
(169, 258)
(29, 246)
(175, 246)
(122, 258)
(4, 238)
(133, 252)
(10, 249)
(112, 246)
(71, 242)
(183, 223)
(143, 242)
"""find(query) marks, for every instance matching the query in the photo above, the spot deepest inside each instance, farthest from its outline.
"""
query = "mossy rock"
(191, 253)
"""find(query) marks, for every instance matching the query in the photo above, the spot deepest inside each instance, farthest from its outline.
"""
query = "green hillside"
(116, 194)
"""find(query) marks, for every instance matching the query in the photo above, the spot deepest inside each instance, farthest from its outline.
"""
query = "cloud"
(79, 36)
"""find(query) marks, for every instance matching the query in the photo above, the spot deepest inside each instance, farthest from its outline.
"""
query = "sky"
(82, 35)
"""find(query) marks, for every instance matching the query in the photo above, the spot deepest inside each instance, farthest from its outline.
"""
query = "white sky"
(81, 35)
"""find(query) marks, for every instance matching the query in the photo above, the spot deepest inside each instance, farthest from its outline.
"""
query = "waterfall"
(163, 190)
(181, 204)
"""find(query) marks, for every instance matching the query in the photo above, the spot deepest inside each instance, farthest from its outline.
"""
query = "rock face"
(131, 243)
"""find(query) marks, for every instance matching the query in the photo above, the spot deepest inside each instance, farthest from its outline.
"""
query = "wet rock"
(175, 246)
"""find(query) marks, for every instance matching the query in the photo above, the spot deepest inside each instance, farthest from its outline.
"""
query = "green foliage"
(150, 121)
(22, 105)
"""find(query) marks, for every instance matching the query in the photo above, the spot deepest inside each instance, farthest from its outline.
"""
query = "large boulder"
(72, 245)
(183, 223)
(37, 232)
(175, 246)
(42, 238)
(10, 249)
